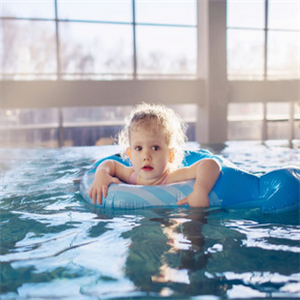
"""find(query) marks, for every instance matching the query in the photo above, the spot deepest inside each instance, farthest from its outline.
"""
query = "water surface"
(55, 246)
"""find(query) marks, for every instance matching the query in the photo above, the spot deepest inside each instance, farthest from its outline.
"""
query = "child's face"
(149, 152)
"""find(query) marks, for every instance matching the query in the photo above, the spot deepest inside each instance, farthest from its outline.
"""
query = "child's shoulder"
(180, 174)
(123, 172)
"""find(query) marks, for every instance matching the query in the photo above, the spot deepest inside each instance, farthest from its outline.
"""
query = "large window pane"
(283, 55)
(244, 130)
(245, 112)
(297, 129)
(28, 47)
(278, 130)
(245, 54)
(278, 111)
(28, 9)
(28, 117)
(284, 14)
(166, 50)
(105, 115)
(246, 14)
(166, 12)
(96, 48)
(297, 111)
(29, 137)
(96, 10)
(29, 127)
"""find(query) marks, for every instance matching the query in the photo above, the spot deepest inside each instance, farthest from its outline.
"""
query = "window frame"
(266, 31)
(134, 75)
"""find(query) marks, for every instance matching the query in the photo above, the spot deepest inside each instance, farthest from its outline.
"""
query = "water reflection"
(168, 254)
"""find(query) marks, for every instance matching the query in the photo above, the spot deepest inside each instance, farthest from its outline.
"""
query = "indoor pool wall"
(55, 246)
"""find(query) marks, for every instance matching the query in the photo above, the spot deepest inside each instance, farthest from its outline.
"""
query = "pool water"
(56, 246)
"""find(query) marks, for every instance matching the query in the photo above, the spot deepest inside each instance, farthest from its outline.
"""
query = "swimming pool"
(55, 246)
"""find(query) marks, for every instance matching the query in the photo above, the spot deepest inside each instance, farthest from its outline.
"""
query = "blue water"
(55, 246)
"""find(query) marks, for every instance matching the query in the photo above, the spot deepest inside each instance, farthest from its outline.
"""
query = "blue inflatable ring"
(274, 192)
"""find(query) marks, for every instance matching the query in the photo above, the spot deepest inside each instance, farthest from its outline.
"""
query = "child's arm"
(206, 172)
(108, 172)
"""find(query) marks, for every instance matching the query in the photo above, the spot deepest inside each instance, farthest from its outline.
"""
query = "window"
(98, 39)
(73, 126)
(263, 39)
(258, 121)
(245, 121)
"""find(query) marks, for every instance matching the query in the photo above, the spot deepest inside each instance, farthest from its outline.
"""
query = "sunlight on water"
(268, 236)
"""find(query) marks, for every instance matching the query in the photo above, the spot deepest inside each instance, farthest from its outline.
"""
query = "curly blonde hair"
(170, 122)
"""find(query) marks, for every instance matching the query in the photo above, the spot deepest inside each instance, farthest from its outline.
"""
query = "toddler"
(153, 139)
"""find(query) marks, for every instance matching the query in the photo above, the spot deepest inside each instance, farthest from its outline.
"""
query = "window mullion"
(57, 42)
(134, 41)
(266, 38)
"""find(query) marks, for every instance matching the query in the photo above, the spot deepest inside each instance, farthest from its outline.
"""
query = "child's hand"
(100, 185)
(198, 198)
(207, 173)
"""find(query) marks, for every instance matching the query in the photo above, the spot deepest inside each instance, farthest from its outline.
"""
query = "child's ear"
(172, 156)
(128, 152)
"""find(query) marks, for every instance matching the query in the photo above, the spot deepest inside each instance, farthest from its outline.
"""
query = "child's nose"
(147, 155)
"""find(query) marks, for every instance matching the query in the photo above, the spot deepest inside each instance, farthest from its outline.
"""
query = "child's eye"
(138, 148)
(155, 148)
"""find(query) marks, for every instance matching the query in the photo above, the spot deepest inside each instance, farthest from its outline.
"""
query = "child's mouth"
(147, 168)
